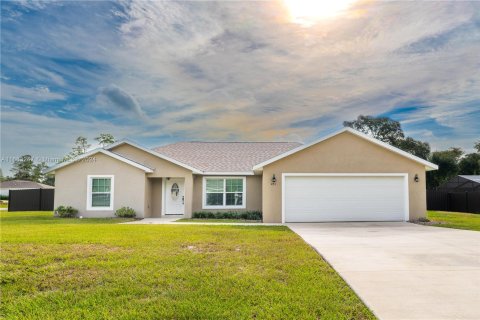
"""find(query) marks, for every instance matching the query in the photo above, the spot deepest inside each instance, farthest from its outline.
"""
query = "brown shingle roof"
(23, 184)
(224, 156)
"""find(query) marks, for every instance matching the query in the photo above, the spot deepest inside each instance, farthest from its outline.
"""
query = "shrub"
(423, 219)
(66, 211)
(244, 215)
(253, 215)
(125, 212)
(4, 197)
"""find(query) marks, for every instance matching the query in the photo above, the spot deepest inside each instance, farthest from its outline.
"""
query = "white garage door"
(320, 198)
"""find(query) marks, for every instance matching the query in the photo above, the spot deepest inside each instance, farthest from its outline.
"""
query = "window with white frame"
(223, 192)
(100, 193)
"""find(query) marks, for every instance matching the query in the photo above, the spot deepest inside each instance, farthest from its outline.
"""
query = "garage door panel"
(344, 198)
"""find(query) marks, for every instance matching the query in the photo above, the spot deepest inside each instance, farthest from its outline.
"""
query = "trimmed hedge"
(243, 215)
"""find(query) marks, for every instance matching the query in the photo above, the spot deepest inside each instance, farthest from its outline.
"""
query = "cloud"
(122, 100)
(29, 95)
(200, 70)
(50, 76)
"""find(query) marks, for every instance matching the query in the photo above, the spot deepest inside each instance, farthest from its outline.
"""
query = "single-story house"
(346, 176)
(6, 186)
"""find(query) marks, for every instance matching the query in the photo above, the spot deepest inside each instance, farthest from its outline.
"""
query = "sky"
(165, 71)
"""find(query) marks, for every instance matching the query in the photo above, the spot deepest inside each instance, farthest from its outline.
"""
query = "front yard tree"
(477, 146)
(22, 168)
(104, 139)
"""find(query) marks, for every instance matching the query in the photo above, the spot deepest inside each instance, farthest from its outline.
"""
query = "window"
(223, 192)
(100, 193)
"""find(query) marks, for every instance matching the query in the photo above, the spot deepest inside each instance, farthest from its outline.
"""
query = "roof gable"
(428, 165)
(105, 152)
(155, 153)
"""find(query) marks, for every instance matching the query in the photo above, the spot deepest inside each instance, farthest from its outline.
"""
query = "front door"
(174, 196)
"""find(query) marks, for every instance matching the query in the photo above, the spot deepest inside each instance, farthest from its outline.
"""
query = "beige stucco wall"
(162, 169)
(344, 153)
(148, 198)
(156, 197)
(253, 194)
(129, 185)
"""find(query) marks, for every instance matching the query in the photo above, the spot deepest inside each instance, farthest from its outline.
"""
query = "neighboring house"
(6, 186)
(346, 176)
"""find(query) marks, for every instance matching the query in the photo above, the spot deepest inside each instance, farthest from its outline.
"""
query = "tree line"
(25, 168)
(451, 162)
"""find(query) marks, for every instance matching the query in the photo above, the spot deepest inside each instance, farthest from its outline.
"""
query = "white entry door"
(174, 196)
(355, 197)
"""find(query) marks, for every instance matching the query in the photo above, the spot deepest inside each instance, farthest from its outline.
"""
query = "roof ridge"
(236, 142)
(228, 142)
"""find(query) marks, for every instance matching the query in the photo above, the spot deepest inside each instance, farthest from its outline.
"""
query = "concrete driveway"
(402, 270)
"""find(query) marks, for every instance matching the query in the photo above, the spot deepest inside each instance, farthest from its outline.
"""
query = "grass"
(219, 220)
(3, 205)
(54, 268)
(456, 220)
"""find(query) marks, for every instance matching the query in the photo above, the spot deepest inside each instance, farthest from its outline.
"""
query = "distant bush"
(4, 197)
(125, 212)
(66, 211)
(243, 215)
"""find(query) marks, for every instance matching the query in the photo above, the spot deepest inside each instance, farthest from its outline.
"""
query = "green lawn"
(219, 220)
(457, 220)
(3, 205)
(55, 268)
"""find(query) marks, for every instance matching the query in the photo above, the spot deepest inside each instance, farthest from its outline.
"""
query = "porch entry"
(175, 196)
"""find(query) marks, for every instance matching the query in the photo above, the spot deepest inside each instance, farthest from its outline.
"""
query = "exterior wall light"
(416, 179)
(274, 180)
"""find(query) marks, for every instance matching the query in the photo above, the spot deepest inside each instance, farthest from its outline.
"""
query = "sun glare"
(308, 12)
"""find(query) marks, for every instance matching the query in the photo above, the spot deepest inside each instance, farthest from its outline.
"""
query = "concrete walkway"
(402, 270)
